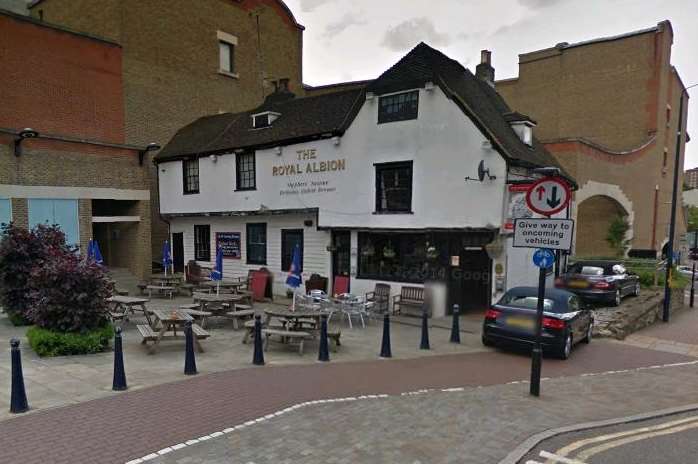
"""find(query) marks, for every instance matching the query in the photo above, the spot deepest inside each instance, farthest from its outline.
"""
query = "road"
(670, 439)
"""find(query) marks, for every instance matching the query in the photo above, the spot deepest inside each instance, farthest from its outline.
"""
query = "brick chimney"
(484, 70)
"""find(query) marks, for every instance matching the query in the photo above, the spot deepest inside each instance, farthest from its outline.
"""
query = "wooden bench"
(187, 287)
(333, 338)
(194, 311)
(149, 335)
(199, 332)
(249, 330)
(120, 291)
(160, 290)
(285, 334)
(147, 332)
(410, 302)
(236, 316)
(142, 287)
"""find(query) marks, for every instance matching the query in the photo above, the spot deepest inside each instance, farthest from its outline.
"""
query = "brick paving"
(127, 426)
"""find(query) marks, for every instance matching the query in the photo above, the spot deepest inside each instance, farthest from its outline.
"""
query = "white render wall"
(316, 258)
(443, 143)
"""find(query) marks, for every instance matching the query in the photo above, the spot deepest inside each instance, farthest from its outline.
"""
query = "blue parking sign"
(543, 258)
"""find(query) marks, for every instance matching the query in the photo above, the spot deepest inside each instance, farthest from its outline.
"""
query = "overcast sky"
(351, 40)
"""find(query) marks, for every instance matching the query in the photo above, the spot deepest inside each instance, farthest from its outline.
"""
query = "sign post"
(547, 196)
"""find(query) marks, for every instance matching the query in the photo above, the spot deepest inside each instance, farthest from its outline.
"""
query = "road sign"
(548, 196)
(543, 258)
(555, 234)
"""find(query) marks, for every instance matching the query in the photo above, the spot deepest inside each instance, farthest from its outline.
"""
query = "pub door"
(341, 256)
(470, 281)
(178, 252)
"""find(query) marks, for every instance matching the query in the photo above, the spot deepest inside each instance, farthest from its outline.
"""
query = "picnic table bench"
(161, 290)
(286, 337)
(170, 323)
(333, 335)
(241, 312)
(122, 305)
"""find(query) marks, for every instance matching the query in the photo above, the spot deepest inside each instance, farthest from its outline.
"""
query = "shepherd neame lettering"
(309, 168)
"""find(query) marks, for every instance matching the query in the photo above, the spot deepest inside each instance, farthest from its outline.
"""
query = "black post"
(537, 353)
(258, 357)
(385, 344)
(189, 360)
(693, 283)
(18, 398)
(119, 381)
(672, 224)
(455, 327)
(424, 344)
(324, 354)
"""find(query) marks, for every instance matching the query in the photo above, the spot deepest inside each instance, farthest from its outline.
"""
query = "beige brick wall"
(170, 61)
(20, 212)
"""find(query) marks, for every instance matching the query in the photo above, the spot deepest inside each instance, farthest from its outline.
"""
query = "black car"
(566, 320)
(600, 281)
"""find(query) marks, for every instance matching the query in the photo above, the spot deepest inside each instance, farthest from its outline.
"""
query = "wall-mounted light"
(24, 134)
(152, 146)
(279, 151)
(429, 86)
(336, 140)
(213, 158)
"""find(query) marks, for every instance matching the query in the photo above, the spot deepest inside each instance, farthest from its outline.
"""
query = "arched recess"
(597, 204)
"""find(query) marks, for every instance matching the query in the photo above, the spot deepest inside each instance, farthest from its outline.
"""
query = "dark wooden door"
(178, 251)
(470, 281)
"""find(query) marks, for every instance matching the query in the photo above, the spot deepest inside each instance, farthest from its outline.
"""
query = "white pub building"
(411, 179)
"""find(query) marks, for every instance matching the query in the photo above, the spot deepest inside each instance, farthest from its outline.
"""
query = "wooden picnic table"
(122, 305)
(170, 325)
(206, 299)
(169, 279)
(295, 319)
(223, 284)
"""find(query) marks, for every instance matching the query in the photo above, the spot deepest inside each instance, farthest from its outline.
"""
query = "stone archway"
(594, 217)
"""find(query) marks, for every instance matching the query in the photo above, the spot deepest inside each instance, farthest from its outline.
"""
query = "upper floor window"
(398, 107)
(245, 171)
(226, 51)
(394, 187)
(190, 171)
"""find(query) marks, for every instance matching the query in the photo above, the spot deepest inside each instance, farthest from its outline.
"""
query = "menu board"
(229, 243)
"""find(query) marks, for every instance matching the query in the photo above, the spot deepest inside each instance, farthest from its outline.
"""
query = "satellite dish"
(481, 171)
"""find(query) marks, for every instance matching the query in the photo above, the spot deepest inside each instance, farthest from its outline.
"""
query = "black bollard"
(455, 328)
(189, 360)
(119, 382)
(424, 345)
(258, 358)
(385, 344)
(324, 354)
(693, 283)
(18, 399)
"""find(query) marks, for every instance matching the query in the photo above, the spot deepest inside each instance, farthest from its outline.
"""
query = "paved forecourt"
(130, 425)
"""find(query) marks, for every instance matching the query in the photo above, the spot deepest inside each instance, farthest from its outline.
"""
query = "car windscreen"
(527, 302)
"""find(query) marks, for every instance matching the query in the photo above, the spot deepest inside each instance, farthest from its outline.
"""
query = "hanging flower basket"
(388, 252)
(432, 252)
(368, 250)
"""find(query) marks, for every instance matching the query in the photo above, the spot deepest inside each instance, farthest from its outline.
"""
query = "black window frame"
(240, 173)
(287, 255)
(261, 121)
(403, 106)
(189, 178)
(250, 244)
(381, 168)
(231, 56)
(202, 248)
(409, 263)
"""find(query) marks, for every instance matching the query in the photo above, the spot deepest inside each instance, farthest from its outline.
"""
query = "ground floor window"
(63, 213)
(257, 243)
(395, 257)
(202, 243)
(289, 239)
(5, 211)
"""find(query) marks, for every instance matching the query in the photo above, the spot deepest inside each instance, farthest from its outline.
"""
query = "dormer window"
(265, 119)
(522, 125)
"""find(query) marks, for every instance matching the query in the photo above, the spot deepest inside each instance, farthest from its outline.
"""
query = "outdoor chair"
(378, 301)
(340, 286)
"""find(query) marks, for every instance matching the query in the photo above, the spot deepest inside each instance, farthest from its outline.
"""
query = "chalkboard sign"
(229, 243)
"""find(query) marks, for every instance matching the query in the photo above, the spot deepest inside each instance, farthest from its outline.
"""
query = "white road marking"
(556, 458)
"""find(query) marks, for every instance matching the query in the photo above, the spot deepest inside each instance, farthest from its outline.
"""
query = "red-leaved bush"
(20, 251)
(68, 294)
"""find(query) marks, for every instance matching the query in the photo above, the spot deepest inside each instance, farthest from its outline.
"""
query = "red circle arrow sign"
(548, 196)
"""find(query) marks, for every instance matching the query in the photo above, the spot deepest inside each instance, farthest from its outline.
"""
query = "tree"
(615, 236)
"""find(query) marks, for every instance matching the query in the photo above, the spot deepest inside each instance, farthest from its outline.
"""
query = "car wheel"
(590, 332)
(566, 349)
(616, 298)
(487, 342)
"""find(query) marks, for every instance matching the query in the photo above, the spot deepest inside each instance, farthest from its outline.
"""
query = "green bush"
(647, 278)
(47, 342)
(18, 320)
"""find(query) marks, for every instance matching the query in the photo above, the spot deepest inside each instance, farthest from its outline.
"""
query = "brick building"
(74, 168)
(182, 60)
(690, 178)
(607, 109)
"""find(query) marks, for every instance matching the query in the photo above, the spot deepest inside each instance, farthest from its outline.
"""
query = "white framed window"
(227, 43)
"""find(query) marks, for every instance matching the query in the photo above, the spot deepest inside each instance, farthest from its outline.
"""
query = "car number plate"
(578, 284)
(521, 322)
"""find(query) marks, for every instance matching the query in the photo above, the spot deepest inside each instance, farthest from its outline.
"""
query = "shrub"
(68, 294)
(47, 342)
(20, 251)
(615, 235)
